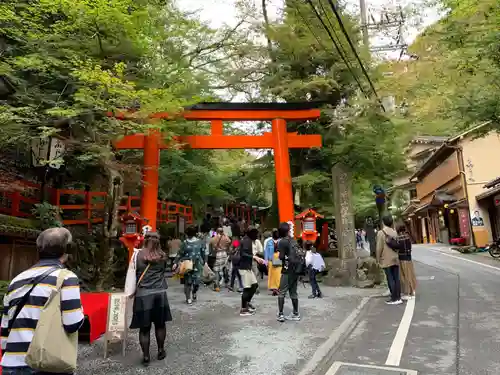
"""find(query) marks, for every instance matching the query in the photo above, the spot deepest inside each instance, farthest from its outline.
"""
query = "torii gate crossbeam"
(279, 140)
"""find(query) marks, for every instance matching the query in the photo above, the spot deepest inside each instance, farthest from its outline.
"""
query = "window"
(413, 193)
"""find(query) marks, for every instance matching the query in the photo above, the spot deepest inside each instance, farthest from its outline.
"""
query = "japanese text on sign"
(117, 312)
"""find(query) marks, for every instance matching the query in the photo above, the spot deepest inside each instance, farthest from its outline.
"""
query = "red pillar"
(149, 198)
(283, 174)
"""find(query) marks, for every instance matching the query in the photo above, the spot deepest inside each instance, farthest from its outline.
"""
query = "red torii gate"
(278, 139)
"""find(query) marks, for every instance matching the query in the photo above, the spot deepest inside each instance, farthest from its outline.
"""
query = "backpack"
(236, 254)
(297, 261)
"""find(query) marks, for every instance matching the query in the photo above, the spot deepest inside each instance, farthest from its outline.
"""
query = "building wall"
(444, 173)
(481, 158)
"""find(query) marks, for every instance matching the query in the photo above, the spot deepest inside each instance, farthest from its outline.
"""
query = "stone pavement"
(211, 338)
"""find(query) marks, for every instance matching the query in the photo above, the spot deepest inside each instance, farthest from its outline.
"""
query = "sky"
(219, 12)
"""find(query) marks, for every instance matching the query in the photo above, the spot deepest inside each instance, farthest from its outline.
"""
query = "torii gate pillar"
(150, 178)
(283, 174)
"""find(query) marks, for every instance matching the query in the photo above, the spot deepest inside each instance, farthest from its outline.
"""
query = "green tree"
(67, 64)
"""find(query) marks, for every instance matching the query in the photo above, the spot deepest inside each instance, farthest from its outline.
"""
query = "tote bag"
(52, 349)
(131, 278)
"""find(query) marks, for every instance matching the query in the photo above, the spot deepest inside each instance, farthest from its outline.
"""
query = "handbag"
(277, 263)
(51, 348)
(186, 266)
(131, 278)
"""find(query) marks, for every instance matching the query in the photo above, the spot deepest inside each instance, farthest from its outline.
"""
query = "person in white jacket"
(315, 264)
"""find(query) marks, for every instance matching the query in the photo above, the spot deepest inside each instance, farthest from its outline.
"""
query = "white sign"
(47, 151)
(116, 326)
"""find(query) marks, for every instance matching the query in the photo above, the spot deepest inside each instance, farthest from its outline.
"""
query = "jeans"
(235, 274)
(221, 275)
(314, 282)
(393, 281)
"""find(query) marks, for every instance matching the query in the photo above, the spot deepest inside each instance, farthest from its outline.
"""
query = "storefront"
(442, 213)
(489, 200)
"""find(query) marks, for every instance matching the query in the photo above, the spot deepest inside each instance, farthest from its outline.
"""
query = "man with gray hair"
(29, 291)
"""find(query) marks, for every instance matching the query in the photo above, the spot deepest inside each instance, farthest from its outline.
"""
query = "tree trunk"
(109, 228)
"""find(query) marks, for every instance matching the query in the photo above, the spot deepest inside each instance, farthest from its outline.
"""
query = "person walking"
(315, 264)
(406, 269)
(289, 254)
(150, 300)
(388, 258)
(234, 259)
(192, 249)
(219, 247)
(248, 279)
(271, 255)
(29, 292)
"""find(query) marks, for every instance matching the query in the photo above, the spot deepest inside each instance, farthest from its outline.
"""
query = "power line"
(337, 47)
(353, 48)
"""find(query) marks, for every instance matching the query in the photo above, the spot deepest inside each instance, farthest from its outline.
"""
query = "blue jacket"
(269, 250)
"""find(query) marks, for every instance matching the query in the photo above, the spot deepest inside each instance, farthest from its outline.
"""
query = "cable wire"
(337, 47)
(353, 48)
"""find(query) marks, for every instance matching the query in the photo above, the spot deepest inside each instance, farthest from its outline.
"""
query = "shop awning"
(409, 210)
(462, 203)
(423, 207)
(488, 193)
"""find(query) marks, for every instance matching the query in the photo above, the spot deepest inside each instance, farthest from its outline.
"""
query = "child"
(406, 269)
(315, 264)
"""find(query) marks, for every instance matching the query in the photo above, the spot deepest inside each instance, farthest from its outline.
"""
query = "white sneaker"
(405, 297)
(398, 302)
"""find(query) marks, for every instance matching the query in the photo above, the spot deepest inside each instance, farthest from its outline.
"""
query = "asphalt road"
(453, 327)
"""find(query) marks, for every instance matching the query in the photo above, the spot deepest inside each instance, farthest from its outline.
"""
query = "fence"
(80, 207)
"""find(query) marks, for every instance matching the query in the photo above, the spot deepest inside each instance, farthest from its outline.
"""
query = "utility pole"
(364, 23)
(387, 22)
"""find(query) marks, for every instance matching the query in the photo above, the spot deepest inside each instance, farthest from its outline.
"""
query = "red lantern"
(131, 231)
(308, 224)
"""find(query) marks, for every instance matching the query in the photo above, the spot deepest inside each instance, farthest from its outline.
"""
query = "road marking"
(465, 260)
(398, 344)
(336, 337)
(338, 367)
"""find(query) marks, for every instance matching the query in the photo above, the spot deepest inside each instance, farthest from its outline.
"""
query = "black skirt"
(151, 308)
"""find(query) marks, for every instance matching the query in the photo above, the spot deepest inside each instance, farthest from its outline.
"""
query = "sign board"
(117, 324)
(47, 151)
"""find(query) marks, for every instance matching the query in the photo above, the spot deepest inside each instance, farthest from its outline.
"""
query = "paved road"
(454, 327)
(211, 338)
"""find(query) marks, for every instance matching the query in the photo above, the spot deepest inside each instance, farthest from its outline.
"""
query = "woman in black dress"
(150, 301)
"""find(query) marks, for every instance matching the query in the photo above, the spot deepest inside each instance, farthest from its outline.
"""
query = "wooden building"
(450, 188)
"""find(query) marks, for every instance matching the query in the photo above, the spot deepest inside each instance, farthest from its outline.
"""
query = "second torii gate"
(278, 139)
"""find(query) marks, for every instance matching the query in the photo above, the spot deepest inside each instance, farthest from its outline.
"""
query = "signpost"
(116, 326)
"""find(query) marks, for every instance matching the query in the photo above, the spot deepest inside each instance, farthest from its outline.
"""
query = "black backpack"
(297, 262)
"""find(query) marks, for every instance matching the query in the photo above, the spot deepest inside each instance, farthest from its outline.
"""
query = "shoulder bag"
(21, 302)
(52, 349)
